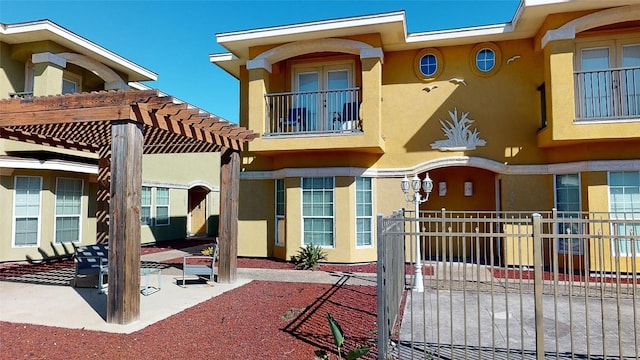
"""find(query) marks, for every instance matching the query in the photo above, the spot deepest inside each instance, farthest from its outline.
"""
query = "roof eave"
(65, 37)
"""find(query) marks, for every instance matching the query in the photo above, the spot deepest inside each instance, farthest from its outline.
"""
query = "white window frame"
(478, 61)
(364, 217)
(149, 206)
(317, 113)
(15, 217)
(157, 206)
(578, 241)
(28, 76)
(74, 79)
(279, 217)
(333, 211)
(78, 215)
(624, 215)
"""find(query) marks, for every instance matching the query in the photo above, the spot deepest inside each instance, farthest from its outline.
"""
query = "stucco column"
(560, 88)
(258, 86)
(47, 73)
(371, 108)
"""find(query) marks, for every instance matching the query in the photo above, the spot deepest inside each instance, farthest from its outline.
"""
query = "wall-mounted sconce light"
(442, 188)
(468, 188)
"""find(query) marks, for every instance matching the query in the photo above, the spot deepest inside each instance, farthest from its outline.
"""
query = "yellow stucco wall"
(256, 216)
(505, 106)
(47, 219)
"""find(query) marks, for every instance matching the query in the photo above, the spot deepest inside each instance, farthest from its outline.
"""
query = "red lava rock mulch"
(261, 320)
(517, 274)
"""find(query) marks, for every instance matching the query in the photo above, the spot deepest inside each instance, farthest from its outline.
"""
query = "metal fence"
(521, 285)
(391, 275)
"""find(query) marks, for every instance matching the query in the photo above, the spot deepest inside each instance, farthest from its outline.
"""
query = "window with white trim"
(162, 206)
(624, 200)
(364, 212)
(68, 210)
(567, 191)
(28, 77)
(317, 211)
(26, 210)
(71, 83)
(145, 209)
(280, 206)
(485, 59)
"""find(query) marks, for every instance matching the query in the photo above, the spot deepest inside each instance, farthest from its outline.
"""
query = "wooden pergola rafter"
(120, 126)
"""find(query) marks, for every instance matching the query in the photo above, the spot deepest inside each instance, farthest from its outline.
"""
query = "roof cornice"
(58, 31)
(333, 24)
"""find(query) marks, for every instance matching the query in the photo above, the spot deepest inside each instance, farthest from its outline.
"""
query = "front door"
(198, 211)
(320, 93)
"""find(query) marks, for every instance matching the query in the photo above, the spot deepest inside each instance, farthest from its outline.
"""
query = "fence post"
(383, 329)
(538, 285)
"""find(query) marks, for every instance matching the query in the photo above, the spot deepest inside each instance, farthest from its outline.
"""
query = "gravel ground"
(261, 320)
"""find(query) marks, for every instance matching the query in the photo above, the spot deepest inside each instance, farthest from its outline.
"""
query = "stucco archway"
(601, 18)
(287, 51)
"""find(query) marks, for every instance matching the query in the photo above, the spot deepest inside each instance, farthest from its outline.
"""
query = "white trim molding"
(287, 51)
(48, 30)
(47, 57)
(59, 165)
(467, 161)
(569, 30)
(204, 184)
(112, 80)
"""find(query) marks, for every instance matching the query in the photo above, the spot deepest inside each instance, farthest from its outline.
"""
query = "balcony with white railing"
(608, 95)
(319, 113)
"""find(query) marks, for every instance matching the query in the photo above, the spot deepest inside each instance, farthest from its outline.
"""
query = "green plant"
(309, 257)
(338, 337)
(208, 251)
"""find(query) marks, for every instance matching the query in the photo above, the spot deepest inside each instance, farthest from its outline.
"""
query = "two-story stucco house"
(542, 112)
(48, 194)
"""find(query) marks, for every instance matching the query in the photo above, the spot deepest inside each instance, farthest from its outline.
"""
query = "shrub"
(309, 257)
(207, 251)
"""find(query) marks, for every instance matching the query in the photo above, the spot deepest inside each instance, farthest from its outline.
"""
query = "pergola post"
(123, 300)
(228, 230)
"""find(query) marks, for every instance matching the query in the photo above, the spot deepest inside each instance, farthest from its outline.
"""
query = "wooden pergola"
(121, 126)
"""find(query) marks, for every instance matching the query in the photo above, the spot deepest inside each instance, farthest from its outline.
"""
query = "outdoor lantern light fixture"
(427, 186)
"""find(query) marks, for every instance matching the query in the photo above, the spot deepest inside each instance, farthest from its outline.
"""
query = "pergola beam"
(66, 116)
(120, 126)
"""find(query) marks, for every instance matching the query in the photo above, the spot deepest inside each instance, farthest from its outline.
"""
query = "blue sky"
(174, 38)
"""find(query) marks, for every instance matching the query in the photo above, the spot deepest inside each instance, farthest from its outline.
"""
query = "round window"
(485, 60)
(428, 64)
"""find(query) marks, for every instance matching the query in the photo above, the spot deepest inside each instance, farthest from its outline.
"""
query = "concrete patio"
(47, 298)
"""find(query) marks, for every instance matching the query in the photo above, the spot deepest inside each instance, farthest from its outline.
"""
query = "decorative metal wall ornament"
(460, 137)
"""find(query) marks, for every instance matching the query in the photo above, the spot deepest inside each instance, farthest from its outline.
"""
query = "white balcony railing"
(313, 112)
(611, 94)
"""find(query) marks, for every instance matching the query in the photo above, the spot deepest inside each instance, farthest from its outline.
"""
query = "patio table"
(146, 272)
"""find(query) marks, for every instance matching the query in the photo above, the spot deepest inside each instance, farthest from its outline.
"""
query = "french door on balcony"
(317, 97)
(609, 81)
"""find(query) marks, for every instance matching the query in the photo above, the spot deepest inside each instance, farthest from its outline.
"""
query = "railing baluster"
(312, 112)
(607, 94)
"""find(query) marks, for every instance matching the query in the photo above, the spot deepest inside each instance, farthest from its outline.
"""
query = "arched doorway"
(198, 210)
(464, 192)
(463, 188)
